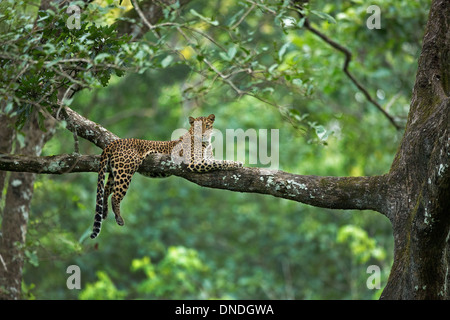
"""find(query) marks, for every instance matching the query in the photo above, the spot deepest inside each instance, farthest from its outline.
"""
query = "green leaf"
(53, 62)
(301, 22)
(208, 20)
(9, 107)
(272, 67)
(297, 82)
(32, 258)
(232, 52)
(324, 16)
(166, 61)
(67, 102)
(102, 56)
(21, 139)
(282, 50)
(322, 133)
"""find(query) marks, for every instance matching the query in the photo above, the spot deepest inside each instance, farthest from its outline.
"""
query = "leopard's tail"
(100, 195)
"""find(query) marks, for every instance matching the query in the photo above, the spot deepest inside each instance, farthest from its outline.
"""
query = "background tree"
(281, 61)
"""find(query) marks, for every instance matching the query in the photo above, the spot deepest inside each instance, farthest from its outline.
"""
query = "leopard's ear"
(191, 121)
(211, 117)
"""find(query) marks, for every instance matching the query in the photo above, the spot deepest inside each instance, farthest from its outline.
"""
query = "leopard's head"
(201, 127)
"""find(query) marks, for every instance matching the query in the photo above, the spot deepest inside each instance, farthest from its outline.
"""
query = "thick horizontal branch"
(326, 192)
(60, 164)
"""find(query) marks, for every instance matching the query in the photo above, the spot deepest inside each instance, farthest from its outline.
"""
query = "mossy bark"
(419, 180)
(16, 212)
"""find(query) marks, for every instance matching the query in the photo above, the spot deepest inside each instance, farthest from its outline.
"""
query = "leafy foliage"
(41, 55)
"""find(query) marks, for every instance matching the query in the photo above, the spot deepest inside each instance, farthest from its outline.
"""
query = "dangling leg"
(122, 181)
(115, 201)
(108, 190)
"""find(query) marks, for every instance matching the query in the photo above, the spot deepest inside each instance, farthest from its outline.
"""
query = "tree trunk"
(7, 134)
(419, 180)
(16, 213)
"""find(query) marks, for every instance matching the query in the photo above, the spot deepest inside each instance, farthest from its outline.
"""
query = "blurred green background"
(182, 241)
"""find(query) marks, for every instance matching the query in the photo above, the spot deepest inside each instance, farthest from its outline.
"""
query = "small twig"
(76, 143)
(18, 75)
(392, 100)
(64, 74)
(262, 6)
(144, 19)
(243, 16)
(41, 108)
(206, 36)
(61, 103)
(225, 78)
(3, 263)
(210, 65)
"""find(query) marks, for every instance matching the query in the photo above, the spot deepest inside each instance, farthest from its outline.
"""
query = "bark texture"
(419, 180)
(16, 213)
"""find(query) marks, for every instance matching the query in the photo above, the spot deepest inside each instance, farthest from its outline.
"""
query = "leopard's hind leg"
(122, 178)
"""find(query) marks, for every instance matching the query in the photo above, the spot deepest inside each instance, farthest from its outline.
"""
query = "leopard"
(123, 157)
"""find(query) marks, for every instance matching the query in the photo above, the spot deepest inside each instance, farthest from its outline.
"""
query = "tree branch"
(150, 12)
(84, 127)
(327, 192)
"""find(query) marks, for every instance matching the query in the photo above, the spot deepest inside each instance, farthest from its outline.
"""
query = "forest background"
(182, 241)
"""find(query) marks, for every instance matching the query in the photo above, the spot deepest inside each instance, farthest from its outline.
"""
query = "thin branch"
(243, 16)
(152, 12)
(144, 19)
(3, 263)
(205, 35)
(264, 7)
(348, 58)
(225, 78)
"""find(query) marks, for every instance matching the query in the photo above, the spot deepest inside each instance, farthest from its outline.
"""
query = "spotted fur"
(122, 158)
